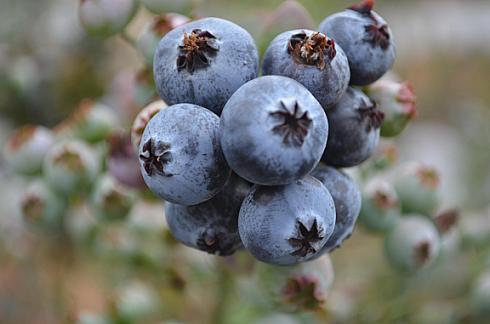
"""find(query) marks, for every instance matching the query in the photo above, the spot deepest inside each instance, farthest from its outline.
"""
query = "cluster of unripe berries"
(249, 160)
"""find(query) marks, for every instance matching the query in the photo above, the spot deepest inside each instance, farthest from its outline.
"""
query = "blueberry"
(213, 225)
(273, 131)
(106, 17)
(347, 200)
(413, 244)
(354, 130)
(366, 40)
(380, 206)
(285, 225)
(26, 148)
(397, 102)
(416, 185)
(204, 62)
(180, 155)
(312, 59)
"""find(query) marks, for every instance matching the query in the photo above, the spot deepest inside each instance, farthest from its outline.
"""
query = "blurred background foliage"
(48, 65)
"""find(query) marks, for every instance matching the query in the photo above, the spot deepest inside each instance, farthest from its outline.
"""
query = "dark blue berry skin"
(213, 225)
(366, 40)
(180, 155)
(312, 59)
(224, 57)
(347, 199)
(354, 130)
(285, 225)
(273, 131)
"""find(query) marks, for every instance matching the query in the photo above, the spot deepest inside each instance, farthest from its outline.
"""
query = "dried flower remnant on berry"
(384, 200)
(293, 124)
(70, 160)
(428, 176)
(422, 253)
(196, 49)
(213, 242)
(32, 208)
(21, 137)
(447, 220)
(407, 98)
(153, 160)
(304, 238)
(311, 50)
(302, 292)
(374, 115)
(377, 33)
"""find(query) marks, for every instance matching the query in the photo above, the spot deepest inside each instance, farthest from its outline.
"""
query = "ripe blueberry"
(397, 102)
(416, 186)
(354, 130)
(180, 155)
(347, 199)
(204, 62)
(106, 17)
(413, 244)
(26, 148)
(285, 225)
(366, 40)
(213, 225)
(312, 59)
(380, 206)
(273, 131)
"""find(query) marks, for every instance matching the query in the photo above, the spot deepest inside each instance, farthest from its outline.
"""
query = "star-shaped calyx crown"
(155, 157)
(196, 49)
(304, 238)
(291, 123)
(312, 50)
(377, 33)
(374, 116)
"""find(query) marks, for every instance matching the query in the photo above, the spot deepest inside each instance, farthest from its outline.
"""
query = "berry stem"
(224, 287)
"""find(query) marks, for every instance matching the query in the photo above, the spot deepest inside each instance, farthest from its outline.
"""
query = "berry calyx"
(374, 115)
(302, 242)
(154, 160)
(21, 136)
(293, 124)
(32, 208)
(311, 50)
(446, 221)
(302, 291)
(196, 48)
(384, 200)
(214, 242)
(363, 7)
(429, 177)
(407, 98)
(70, 160)
(422, 253)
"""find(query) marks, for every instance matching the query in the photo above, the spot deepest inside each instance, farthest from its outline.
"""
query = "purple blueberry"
(273, 131)
(347, 199)
(366, 40)
(180, 155)
(354, 130)
(213, 225)
(285, 225)
(204, 62)
(312, 59)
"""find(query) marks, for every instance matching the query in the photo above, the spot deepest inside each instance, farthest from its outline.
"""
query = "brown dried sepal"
(32, 208)
(21, 136)
(311, 50)
(447, 220)
(377, 33)
(304, 239)
(373, 114)
(429, 177)
(196, 49)
(214, 242)
(302, 292)
(155, 158)
(422, 253)
(384, 200)
(69, 160)
(293, 124)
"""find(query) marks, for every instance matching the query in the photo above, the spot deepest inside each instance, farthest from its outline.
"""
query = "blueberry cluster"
(253, 161)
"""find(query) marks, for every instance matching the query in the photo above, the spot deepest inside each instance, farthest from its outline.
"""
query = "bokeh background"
(48, 64)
